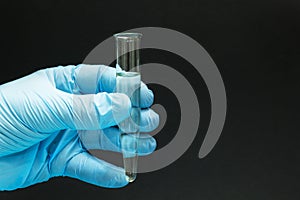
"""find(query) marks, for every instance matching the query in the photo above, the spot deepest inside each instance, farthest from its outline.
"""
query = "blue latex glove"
(51, 118)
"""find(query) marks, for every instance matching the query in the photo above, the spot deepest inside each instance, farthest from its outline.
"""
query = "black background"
(255, 45)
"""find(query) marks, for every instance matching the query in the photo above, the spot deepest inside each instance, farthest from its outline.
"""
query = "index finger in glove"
(91, 79)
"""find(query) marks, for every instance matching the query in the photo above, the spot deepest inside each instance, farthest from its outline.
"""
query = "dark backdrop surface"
(255, 45)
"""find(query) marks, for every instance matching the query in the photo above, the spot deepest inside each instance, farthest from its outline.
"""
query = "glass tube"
(128, 81)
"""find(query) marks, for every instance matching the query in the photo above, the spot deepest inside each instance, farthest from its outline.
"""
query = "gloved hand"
(51, 118)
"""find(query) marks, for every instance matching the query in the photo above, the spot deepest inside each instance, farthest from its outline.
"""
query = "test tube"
(128, 81)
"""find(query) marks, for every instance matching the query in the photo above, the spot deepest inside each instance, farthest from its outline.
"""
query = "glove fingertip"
(119, 181)
(90, 169)
(147, 145)
(147, 96)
